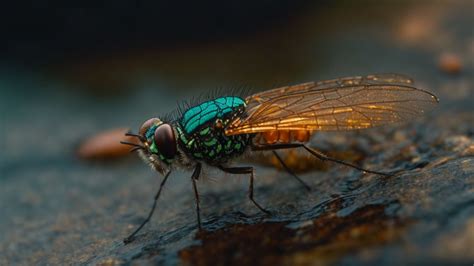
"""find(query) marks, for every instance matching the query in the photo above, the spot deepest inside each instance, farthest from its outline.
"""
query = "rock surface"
(58, 209)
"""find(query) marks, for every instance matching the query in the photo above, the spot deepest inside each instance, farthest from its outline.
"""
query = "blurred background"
(70, 70)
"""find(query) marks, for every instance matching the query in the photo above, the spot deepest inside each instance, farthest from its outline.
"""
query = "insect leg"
(324, 157)
(289, 171)
(195, 177)
(315, 153)
(245, 170)
(130, 238)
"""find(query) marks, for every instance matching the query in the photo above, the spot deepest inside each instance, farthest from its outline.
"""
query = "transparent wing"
(339, 104)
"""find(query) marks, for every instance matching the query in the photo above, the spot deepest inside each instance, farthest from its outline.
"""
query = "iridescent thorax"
(201, 130)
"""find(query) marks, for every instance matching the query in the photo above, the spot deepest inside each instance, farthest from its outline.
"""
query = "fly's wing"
(339, 104)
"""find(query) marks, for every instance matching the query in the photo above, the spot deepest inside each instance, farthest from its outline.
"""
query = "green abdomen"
(201, 130)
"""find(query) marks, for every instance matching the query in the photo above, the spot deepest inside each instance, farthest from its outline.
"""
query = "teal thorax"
(201, 130)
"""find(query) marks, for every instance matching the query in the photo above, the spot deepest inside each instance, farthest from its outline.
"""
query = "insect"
(218, 130)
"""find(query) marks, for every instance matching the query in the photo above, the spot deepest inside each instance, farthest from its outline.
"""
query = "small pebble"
(450, 63)
(111, 262)
(106, 145)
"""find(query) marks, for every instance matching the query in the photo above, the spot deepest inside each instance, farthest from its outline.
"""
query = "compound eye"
(165, 141)
(150, 122)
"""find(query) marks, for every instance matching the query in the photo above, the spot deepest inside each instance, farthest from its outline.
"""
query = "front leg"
(245, 170)
(194, 177)
(155, 199)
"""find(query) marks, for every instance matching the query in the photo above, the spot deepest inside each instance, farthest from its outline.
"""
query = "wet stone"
(57, 209)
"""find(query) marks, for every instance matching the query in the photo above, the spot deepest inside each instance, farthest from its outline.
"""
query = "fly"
(218, 130)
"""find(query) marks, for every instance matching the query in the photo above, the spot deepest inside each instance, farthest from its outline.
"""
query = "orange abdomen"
(284, 136)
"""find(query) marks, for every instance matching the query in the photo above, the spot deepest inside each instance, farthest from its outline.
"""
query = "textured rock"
(58, 209)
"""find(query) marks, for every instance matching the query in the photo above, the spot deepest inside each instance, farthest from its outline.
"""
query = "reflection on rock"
(321, 240)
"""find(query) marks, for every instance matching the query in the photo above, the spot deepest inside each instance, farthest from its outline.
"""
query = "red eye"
(165, 141)
(147, 124)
